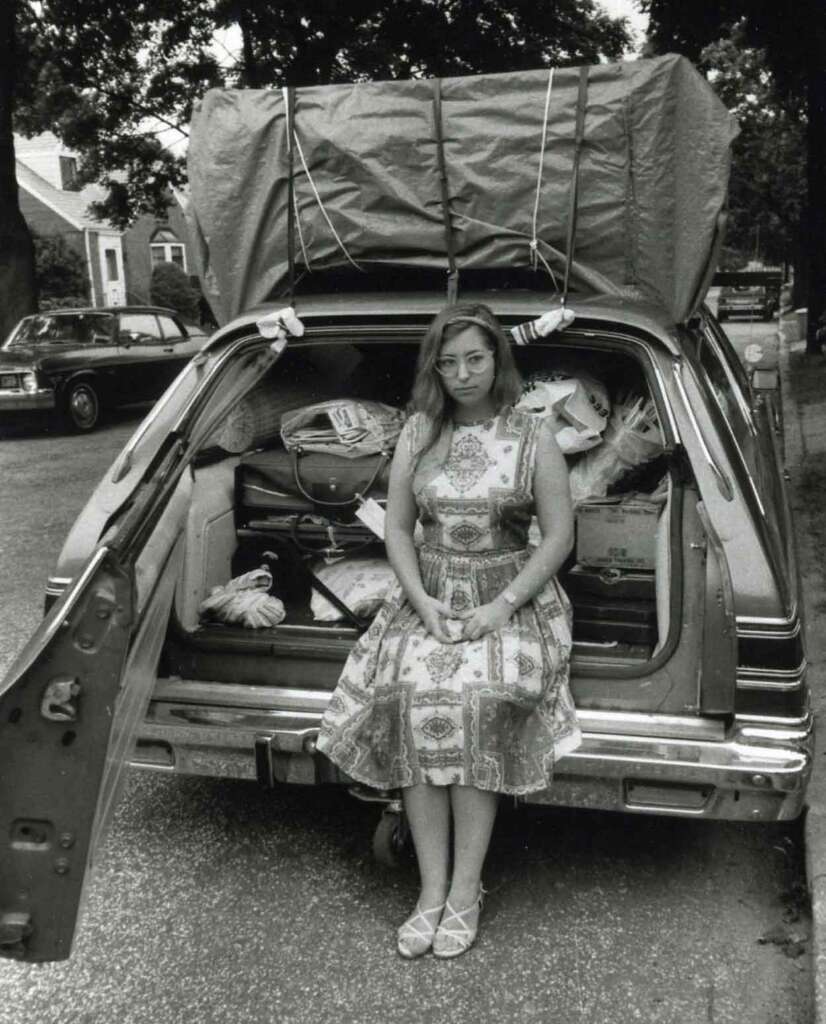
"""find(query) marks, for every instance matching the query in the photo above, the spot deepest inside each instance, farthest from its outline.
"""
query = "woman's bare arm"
(399, 524)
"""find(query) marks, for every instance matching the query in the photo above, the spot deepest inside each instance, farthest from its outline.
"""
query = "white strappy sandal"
(415, 937)
(454, 935)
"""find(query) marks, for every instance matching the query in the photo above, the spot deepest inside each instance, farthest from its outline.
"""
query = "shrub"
(170, 287)
(60, 269)
(63, 302)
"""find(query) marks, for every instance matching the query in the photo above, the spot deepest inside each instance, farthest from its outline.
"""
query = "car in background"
(77, 363)
(751, 301)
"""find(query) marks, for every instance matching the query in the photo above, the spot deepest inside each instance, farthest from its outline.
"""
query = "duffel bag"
(348, 427)
(323, 481)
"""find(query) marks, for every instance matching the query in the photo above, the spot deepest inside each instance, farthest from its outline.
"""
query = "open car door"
(71, 703)
(69, 708)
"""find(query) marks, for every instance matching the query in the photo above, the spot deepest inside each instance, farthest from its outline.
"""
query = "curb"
(814, 599)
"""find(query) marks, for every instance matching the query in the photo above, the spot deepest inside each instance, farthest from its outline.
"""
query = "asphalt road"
(218, 902)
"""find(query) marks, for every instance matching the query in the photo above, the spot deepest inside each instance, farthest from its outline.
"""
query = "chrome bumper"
(22, 401)
(755, 770)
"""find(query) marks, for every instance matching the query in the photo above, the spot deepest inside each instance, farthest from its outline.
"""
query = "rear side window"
(730, 389)
(140, 328)
(171, 331)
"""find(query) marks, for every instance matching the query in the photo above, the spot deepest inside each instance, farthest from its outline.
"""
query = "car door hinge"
(58, 703)
(15, 928)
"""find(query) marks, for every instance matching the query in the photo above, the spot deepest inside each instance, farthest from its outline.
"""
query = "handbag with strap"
(323, 481)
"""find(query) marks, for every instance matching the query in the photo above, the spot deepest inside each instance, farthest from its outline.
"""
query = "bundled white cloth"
(553, 320)
(578, 404)
(632, 438)
(344, 426)
(244, 601)
(278, 325)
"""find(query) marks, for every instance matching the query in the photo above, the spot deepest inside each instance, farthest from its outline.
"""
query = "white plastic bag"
(578, 404)
(632, 438)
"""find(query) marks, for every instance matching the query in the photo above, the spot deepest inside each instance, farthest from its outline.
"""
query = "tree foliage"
(114, 81)
(791, 41)
(108, 79)
(768, 176)
(170, 287)
(18, 287)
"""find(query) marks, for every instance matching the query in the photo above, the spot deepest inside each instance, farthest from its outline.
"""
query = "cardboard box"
(622, 534)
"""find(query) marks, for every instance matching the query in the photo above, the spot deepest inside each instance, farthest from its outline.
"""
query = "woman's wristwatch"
(510, 598)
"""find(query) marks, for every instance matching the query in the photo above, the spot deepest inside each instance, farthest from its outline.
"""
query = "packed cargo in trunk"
(624, 577)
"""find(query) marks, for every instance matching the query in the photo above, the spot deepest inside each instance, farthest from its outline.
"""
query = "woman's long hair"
(429, 395)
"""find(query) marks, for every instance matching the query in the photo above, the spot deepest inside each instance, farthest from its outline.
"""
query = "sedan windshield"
(66, 328)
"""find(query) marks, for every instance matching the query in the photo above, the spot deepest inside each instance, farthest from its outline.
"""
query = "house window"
(68, 174)
(111, 264)
(165, 247)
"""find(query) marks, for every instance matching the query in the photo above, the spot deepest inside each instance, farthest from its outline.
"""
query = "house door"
(111, 270)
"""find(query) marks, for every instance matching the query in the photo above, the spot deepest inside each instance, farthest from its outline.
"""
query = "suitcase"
(263, 505)
(609, 583)
(605, 620)
(321, 481)
(302, 509)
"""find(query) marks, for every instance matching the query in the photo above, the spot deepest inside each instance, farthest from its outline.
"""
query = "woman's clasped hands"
(451, 626)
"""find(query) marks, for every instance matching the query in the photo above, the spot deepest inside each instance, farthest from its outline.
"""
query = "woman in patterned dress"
(458, 691)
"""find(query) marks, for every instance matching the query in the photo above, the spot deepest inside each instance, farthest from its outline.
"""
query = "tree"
(768, 170)
(109, 80)
(60, 270)
(794, 43)
(170, 287)
(18, 288)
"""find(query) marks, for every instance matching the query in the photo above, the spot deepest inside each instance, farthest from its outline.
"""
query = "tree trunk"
(18, 286)
(816, 161)
(249, 74)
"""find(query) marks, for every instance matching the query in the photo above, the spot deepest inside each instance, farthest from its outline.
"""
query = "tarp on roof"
(368, 187)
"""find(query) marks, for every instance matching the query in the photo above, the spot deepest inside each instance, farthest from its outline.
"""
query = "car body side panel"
(56, 713)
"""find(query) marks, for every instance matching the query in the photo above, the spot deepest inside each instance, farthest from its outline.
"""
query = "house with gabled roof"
(118, 263)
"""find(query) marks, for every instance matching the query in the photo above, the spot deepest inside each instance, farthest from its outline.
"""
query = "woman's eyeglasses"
(477, 362)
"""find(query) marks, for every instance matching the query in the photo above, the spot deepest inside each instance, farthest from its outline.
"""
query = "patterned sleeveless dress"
(494, 713)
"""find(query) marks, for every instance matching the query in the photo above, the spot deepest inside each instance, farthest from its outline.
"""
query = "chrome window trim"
(723, 483)
(731, 434)
(745, 408)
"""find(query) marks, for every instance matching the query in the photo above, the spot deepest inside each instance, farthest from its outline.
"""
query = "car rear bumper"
(760, 311)
(26, 401)
(751, 770)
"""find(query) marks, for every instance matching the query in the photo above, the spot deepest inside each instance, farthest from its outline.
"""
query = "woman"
(459, 690)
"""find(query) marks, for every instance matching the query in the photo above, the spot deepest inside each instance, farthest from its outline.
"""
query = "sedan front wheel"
(81, 407)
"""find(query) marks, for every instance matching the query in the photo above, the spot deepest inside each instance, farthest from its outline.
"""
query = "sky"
(627, 9)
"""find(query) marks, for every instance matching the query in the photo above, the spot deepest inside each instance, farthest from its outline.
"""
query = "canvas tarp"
(401, 172)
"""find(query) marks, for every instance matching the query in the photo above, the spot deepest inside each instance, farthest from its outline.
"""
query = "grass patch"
(810, 503)
(807, 377)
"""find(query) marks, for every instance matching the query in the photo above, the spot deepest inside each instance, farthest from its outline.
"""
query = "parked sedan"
(77, 363)
(687, 669)
(750, 301)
